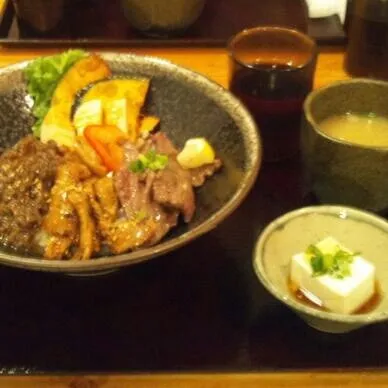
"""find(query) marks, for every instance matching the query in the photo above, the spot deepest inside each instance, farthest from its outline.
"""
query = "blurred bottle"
(41, 16)
(161, 18)
(367, 51)
(348, 16)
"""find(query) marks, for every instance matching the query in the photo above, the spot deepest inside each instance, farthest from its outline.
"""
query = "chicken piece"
(57, 123)
(107, 197)
(89, 156)
(88, 189)
(65, 216)
(103, 220)
(61, 219)
(87, 230)
(71, 172)
(88, 186)
(57, 247)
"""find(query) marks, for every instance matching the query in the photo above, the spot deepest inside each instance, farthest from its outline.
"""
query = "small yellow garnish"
(196, 153)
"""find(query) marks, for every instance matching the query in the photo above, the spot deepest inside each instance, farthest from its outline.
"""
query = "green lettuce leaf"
(42, 77)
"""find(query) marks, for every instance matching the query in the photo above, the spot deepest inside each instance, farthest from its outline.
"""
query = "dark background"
(103, 21)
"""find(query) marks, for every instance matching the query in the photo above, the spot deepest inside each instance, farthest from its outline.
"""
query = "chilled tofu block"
(344, 295)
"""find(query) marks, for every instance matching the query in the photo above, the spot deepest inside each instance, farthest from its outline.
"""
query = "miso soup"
(367, 130)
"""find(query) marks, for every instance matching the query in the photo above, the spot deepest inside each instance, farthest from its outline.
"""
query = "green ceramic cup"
(339, 172)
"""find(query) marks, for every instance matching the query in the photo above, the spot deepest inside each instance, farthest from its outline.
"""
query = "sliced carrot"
(116, 153)
(103, 152)
(104, 139)
(106, 133)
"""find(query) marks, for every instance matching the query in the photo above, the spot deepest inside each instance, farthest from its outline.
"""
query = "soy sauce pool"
(274, 94)
(366, 308)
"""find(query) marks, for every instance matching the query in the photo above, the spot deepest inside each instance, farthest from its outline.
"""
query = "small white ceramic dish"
(292, 233)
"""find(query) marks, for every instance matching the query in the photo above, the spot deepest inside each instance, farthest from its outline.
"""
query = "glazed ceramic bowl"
(293, 232)
(339, 172)
(189, 105)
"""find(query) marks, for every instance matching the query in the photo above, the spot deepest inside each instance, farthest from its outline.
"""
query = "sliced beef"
(161, 194)
(172, 186)
(200, 174)
(163, 144)
(134, 192)
(167, 219)
(133, 189)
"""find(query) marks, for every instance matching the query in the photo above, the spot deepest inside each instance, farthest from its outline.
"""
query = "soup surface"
(362, 129)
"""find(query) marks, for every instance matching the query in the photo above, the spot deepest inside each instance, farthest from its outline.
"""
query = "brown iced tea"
(271, 72)
(274, 94)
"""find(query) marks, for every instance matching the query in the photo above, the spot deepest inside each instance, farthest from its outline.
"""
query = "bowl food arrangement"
(328, 264)
(111, 159)
(345, 143)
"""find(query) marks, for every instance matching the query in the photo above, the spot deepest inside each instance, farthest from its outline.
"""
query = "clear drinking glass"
(272, 71)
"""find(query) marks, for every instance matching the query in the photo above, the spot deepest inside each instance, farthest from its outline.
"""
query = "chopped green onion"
(151, 161)
(335, 264)
(137, 166)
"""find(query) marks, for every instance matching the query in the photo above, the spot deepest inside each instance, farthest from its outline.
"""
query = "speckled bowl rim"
(225, 100)
(369, 217)
(314, 123)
